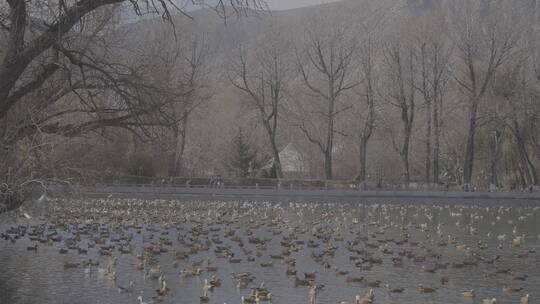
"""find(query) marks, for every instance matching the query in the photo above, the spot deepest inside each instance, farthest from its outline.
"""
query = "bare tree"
(327, 73)
(371, 29)
(433, 56)
(184, 65)
(23, 69)
(516, 86)
(483, 43)
(263, 77)
(367, 70)
(62, 72)
(400, 62)
(91, 89)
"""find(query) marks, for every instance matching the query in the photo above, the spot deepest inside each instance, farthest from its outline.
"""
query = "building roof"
(292, 160)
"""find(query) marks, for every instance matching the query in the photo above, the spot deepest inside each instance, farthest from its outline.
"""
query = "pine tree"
(243, 156)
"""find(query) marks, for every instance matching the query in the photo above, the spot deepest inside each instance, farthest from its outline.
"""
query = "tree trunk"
(436, 142)
(328, 165)
(368, 127)
(177, 155)
(361, 177)
(363, 142)
(405, 160)
(173, 168)
(493, 158)
(330, 133)
(522, 178)
(407, 116)
(180, 154)
(535, 142)
(428, 99)
(529, 168)
(277, 160)
(469, 149)
(428, 143)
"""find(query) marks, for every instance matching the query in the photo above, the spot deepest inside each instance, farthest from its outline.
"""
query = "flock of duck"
(153, 251)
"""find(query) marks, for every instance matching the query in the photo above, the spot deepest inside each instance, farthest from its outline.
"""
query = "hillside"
(383, 91)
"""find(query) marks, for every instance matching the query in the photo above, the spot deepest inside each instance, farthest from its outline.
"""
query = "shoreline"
(301, 195)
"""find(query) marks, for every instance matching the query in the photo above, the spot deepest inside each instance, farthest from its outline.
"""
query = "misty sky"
(273, 4)
(289, 4)
(187, 5)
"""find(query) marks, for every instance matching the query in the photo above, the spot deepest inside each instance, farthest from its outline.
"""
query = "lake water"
(401, 244)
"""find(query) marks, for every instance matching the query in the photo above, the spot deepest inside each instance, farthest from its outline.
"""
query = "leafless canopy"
(65, 69)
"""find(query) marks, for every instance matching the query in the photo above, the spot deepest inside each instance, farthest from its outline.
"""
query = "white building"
(292, 162)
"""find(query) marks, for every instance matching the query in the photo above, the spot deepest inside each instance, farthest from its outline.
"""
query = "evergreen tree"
(243, 157)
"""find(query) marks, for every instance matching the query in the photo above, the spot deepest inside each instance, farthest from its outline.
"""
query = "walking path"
(252, 193)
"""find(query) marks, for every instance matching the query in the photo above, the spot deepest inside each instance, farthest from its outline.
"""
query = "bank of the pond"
(291, 194)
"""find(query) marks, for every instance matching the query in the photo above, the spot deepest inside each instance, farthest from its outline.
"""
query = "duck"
(111, 276)
(351, 279)
(141, 301)
(360, 300)
(263, 297)
(469, 294)
(368, 298)
(154, 272)
(310, 275)
(290, 271)
(204, 298)
(241, 284)
(424, 289)
(267, 264)
(163, 290)
(341, 272)
(207, 286)
(519, 277)
(312, 294)
(71, 265)
(509, 290)
(249, 300)
(489, 301)
(518, 241)
(370, 294)
(525, 299)
(214, 282)
(138, 266)
(390, 289)
(32, 248)
(300, 282)
(376, 283)
(262, 293)
(123, 289)
(190, 273)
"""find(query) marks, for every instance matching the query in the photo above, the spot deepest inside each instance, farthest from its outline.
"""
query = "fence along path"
(272, 192)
